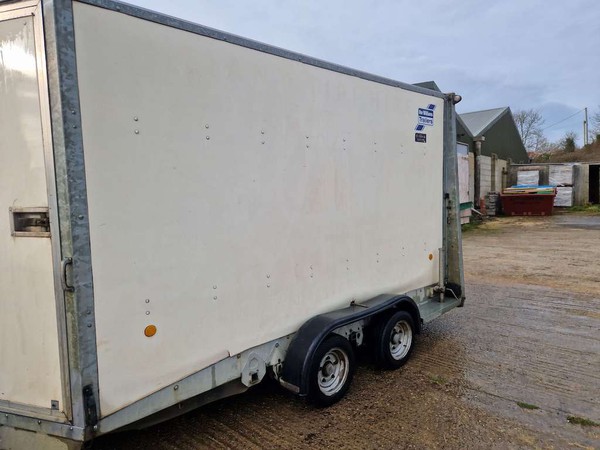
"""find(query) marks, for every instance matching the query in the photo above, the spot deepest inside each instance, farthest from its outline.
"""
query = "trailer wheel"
(394, 339)
(332, 370)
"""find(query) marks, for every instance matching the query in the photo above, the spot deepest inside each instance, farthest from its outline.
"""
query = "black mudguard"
(300, 353)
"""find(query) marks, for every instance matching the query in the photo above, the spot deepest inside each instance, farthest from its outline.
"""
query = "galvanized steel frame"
(453, 260)
(72, 200)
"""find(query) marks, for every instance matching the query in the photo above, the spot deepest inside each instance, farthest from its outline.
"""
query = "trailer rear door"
(30, 362)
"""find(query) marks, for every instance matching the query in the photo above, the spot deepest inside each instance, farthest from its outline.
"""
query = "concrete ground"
(512, 369)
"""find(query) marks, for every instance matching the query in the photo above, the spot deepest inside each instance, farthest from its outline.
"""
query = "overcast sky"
(541, 54)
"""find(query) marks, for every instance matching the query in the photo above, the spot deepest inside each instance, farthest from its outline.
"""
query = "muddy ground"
(529, 334)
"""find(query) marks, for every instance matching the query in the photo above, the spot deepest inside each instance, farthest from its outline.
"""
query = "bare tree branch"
(595, 124)
(529, 122)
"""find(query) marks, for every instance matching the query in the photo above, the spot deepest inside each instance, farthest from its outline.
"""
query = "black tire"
(389, 354)
(331, 371)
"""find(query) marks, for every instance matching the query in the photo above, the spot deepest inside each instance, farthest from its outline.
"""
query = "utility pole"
(585, 128)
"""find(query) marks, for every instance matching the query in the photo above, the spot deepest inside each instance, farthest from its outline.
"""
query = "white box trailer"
(183, 211)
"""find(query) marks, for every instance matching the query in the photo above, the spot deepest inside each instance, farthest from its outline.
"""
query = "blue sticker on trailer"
(425, 117)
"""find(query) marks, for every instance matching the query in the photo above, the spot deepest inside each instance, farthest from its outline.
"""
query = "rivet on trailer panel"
(137, 131)
(208, 138)
(135, 118)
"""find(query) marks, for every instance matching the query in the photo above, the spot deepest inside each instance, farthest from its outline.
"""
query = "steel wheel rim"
(400, 340)
(333, 371)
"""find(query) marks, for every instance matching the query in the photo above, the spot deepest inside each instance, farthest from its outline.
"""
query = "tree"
(568, 142)
(543, 145)
(595, 124)
(529, 122)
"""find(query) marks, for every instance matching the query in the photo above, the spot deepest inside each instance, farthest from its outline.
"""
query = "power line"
(561, 121)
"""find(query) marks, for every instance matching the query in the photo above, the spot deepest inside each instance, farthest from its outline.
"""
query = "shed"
(493, 142)
(500, 131)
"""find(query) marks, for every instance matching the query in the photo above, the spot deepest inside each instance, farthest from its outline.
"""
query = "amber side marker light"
(430, 256)
(150, 331)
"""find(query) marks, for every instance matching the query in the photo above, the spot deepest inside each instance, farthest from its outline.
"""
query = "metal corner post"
(452, 235)
(67, 141)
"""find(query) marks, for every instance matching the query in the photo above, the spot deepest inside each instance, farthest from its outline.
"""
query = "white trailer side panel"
(234, 194)
(29, 351)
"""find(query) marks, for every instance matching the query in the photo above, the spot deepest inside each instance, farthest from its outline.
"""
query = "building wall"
(500, 179)
(504, 140)
(485, 176)
(463, 135)
(472, 177)
(581, 184)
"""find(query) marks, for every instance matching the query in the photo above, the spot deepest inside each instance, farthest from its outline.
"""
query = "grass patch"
(439, 380)
(590, 209)
(582, 421)
(527, 405)
(471, 226)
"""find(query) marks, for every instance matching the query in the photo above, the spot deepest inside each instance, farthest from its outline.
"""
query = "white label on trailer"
(425, 117)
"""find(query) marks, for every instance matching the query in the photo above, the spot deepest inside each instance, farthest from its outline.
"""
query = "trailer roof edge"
(174, 22)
